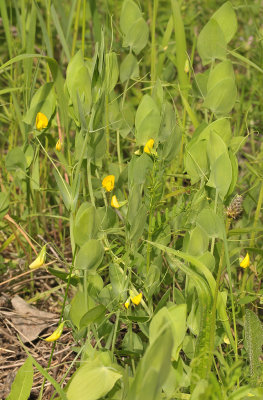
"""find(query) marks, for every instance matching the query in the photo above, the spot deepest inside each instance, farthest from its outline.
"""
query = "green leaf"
(254, 342)
(129, 68)
(221, 175)
(92, 315)
(117, 280)
(138, 224)
(23, 382)
(198, 242)
(215, 147)
(221, 99)
(197, 276)
(44, 100)
(4, 204)
(139, 167)
(137, 36)
(130, 13)
(92, 381)
(90, 255)
(222, 92)
(211, 43)
(78, 82)
(154, 367)
(196, 160)
(221, 127)
(77, 308)
(226, 18)
(86, 224)
(221, 71)
(210, 222)
(134, 28)
(175, 317)
(64, 189)
(147, 120)
(112, 71)
(15, 160)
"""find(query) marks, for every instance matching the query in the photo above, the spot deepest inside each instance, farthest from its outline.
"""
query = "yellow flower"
(41, 121)
(127, 303)
(148, 147)
(39, 261)
(226, 340)
(58, 145)
(108, 183)
(114, 202)
(137, 299)
(56, 334)
(186, 66)
(245, 262)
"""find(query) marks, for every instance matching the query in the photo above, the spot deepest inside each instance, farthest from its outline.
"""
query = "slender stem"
(252, 240)
(213, 239)
(181, 52)
(231, 291)
(60, 319)
(153, 48)
(119, 151)
(90, 183)
(115, 333)
(213, 311)
(75, 31)
(83, 27)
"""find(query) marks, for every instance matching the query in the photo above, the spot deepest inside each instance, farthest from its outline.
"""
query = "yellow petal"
(114, 202)
(137, 299)
(108, 183)
(40, 260)
(245, 262)
(41, 121)
(56, 334)
(127, 304)
(58, 145)
(226, 340)
(186, 66)
(148, 147)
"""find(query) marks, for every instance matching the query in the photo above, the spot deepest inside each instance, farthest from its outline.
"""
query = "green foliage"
(254, 342)
(23, 382)
(154, 295)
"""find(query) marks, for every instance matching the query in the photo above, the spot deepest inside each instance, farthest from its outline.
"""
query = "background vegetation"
(163, 99)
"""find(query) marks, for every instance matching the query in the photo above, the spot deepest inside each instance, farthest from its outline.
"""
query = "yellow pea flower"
(40, 260)
(137, 299)
(58, 145)
(127, 303)
(108, 183)
(114, 202)
(56, 334)
(245, 262)
(148, 147)
(226, 340)
(41, 121)
(186, 66)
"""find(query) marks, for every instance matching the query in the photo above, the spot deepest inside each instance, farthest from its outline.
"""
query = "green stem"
(213, 311)
(60, 319)
(181, 52)
(115, 333)
(83, 27)
(252, 239)
(153, 47)
(213, 239)
(90, 183)
(119, 151)
(75, 31)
